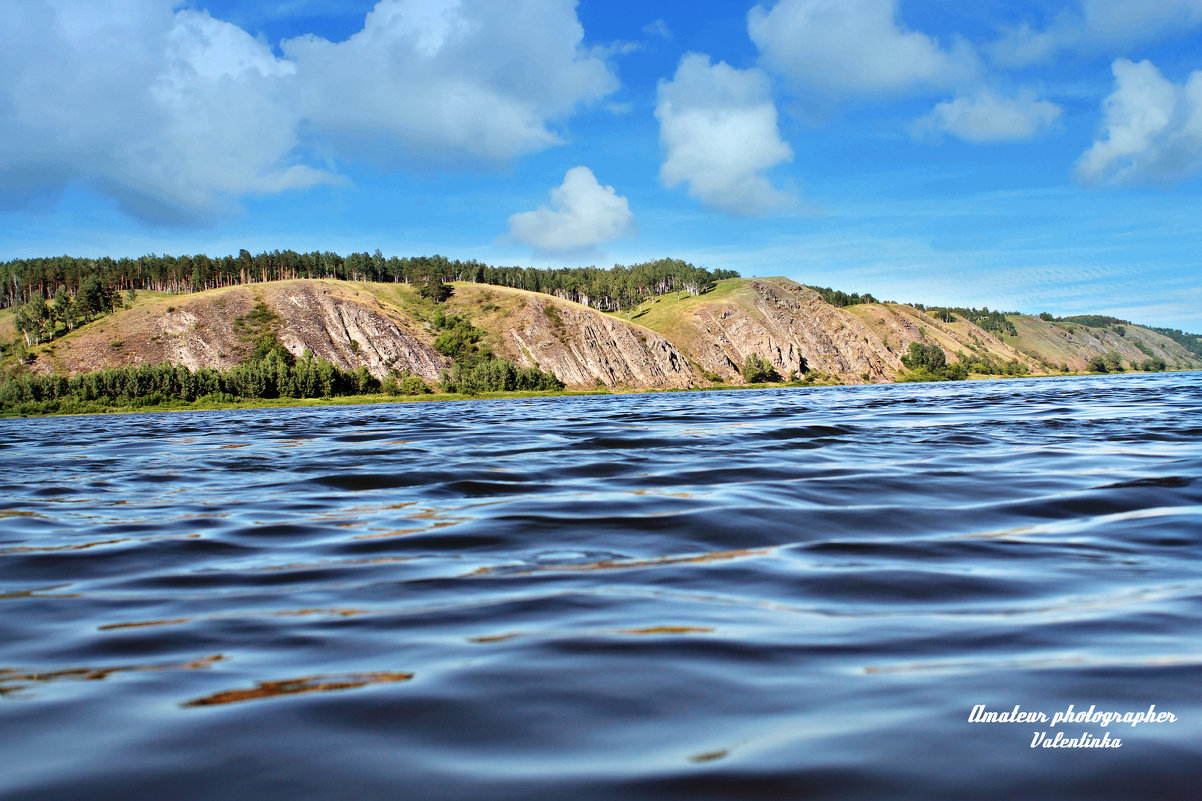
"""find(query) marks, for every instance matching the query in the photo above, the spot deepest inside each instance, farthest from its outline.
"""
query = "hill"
(672, 340)
(1074, 344)
(384, 327)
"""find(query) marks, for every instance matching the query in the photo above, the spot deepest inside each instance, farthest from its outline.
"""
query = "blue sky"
(1030, 156)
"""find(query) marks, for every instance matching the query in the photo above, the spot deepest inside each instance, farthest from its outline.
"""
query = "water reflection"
(16, 680)
(307, 684)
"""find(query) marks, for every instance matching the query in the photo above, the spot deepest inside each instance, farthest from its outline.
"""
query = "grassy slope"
(491, 308)
(1043, 345)
(120, 326)
(958, 336)
(671, 316)
(1073, 344)
(1042, 338)
(486, 309)
(8, 331)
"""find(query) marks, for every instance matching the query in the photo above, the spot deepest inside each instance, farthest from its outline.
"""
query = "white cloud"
(174, 113)
(989, 117)
(163, 111)
(1153, 129)
(443, 79)
(1097, 26)
(718, 128)
(582, 215)
(852, 47)
(658, 28)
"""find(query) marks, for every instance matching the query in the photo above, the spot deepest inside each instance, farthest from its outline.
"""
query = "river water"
(775, 594)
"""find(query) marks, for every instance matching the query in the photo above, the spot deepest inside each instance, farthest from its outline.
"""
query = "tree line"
(38, 321)
(1112, 362)
(928, 362)
(273, 376)
(1093, 320)
(837, 297)
(992, 321)
(612, 289)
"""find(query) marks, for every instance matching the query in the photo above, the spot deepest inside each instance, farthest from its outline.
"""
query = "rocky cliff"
(793, 328)
(350, 328)
(581, 346)
(669, 342)
(209, 329)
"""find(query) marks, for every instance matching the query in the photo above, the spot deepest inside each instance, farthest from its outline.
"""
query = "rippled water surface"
(761, 594)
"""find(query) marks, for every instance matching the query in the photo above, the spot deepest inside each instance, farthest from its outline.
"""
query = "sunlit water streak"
(758, 594)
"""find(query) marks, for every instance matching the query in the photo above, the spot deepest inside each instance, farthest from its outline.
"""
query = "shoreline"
(445, 397)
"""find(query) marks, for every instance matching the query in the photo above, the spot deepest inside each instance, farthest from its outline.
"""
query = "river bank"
(58, 409)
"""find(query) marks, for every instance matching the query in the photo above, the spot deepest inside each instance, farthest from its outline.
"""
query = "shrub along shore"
(274, 383)
(270, 381)
(12, 405)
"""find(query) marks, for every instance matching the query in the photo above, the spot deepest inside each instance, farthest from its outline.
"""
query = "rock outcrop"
(585, 348)
(334, 321)
(351, 330)
(687, 341)
(792, 327)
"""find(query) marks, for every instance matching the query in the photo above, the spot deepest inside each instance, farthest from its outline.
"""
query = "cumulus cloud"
(1152, 129)
(989, 117)
(1097, 26)
(719, 132)
(582, 215)
(852, 47)
(162, 111)
(175, 113)
(444, 79)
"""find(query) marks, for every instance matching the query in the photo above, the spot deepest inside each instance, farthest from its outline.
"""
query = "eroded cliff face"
(793, 328)
(334, 321)
(585, 348)
(351, 329)
(196, 331)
